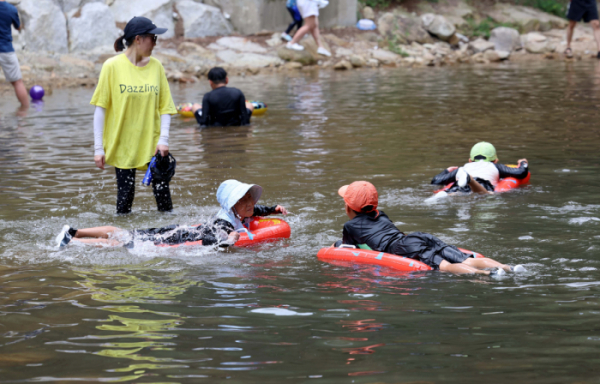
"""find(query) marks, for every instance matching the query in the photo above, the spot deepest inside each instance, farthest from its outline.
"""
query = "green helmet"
(484, 149)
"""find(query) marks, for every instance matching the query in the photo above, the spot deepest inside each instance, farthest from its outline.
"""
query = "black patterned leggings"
(126, 192)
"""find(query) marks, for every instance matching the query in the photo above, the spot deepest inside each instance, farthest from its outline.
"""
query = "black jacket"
(223, 107)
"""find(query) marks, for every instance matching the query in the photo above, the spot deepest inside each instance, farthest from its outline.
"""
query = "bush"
(385, 3)
(394, 47)
(555, 7)
(484, 28)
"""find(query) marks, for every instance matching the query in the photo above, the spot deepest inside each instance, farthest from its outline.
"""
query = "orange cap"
(360, 195)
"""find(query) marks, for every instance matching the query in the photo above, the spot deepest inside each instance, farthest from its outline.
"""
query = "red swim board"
(363, 256)
(264, 230)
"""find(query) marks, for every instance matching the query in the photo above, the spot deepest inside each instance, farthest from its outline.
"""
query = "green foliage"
(384, 3)
(555, 7)
(374, 3)
(484, 27)
(394, 47)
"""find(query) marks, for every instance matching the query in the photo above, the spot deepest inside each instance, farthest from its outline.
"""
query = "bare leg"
(460, 268)
(250, 106)
(106, 242)
(316, 34)
(570, 30)
(309, 25)
(96, 232)
(485, 263)
(21, 93)
(477, 188)
(596, 26)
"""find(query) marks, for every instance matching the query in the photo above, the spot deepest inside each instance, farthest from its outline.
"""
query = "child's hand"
(233, 237)
(521, 161)
(450, 169)
(280, 209)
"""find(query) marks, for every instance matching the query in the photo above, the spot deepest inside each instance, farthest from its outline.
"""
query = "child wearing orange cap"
(369, 228)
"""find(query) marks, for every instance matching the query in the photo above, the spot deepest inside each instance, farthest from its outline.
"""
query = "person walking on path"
(133, 112)
(588, 11)
(297, 19)
(8, 58)
(309, 10)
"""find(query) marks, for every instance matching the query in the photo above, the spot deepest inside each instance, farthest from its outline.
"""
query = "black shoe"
(64, 237)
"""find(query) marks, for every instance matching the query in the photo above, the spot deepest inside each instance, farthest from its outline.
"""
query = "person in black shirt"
(371, 229)
(223, 106)
(588, 11)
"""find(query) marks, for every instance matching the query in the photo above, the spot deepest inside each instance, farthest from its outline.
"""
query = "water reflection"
(115, 287)
(275, 312)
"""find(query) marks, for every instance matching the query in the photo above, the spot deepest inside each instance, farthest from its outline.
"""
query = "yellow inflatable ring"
(185, 109)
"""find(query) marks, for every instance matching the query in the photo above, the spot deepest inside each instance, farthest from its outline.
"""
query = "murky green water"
(152, 315)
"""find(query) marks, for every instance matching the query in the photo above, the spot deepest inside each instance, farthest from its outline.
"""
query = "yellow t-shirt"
(134, 99)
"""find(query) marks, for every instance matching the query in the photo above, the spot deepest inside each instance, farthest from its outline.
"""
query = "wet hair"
(217, 75)
(120, 46)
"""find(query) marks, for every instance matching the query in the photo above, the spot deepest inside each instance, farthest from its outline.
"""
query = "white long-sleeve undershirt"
(100, 116)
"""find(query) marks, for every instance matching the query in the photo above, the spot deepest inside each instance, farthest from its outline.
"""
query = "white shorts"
(10, 66)
(307, 8)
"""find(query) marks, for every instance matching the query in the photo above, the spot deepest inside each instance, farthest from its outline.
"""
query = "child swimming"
(238, 204)
(369, 228)
(482, 173)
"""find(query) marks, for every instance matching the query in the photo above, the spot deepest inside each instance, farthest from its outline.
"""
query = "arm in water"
(518, 173)
(445, 177)
(261, 210)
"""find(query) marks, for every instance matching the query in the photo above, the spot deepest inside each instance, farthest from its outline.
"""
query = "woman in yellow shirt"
(133, 112)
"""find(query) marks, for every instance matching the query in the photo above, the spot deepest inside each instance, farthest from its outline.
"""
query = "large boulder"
(368, 13)
(194, 50)
(247, 60)
(200, 20)
(91, 26)
(529, 18)
(535, 42)
(457, 12)
(403, 29)
(311, 46)
(385, 57)
(357, 61)
(438, 25)
(70, 5)
(302, 57)
(505, 39)
(159, 11)
(241, 44)
(45, 26)
(480, 45)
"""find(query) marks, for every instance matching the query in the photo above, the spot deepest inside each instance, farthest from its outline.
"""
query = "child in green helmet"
(482, 173)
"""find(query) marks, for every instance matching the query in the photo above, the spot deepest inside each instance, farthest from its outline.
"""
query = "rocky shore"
(432, 34)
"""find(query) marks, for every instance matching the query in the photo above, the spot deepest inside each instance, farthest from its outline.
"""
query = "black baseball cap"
(141, 26)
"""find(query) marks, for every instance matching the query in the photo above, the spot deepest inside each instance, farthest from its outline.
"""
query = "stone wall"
(80, 25)
(252, 16)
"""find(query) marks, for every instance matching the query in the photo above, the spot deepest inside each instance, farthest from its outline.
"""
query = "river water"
(276, 313)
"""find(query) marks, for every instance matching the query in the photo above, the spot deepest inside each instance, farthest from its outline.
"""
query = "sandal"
(568, 53)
